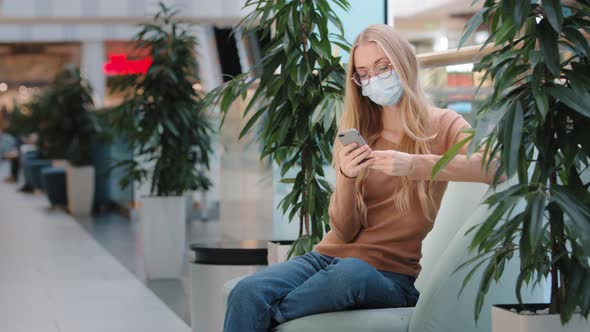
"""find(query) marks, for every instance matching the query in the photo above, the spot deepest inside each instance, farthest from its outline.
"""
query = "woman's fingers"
(357, 152)
(362, 166)
(348, 148)
(360, 157)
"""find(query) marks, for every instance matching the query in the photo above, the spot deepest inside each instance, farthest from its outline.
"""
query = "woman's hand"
(351, 159)
(391, 162)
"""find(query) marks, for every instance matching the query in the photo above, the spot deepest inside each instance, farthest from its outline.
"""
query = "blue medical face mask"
(384, 91)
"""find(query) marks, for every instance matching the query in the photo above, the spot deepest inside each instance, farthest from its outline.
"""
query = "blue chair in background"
(26, 158)
(34, 168)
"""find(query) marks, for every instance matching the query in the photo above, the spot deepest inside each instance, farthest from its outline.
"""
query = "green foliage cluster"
(297, 101)
(62, 116)
(163, 118)
(21, 123)
(537, 120)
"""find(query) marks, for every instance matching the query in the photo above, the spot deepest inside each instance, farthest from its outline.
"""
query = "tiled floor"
(118, 236)
(55, 277)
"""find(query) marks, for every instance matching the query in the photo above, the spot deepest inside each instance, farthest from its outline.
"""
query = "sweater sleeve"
(460, 168)
(343, 217)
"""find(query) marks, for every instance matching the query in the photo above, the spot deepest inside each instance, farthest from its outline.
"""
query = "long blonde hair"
(361, 113)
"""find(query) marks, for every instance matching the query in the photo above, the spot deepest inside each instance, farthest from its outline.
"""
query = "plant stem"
(556, 228)
(302, 212)
(304, 194)
(554, 307)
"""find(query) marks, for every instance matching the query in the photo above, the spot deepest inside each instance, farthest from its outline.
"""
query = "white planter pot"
(189, 201)
(162, 224)
(80, 188)
(278, 252)
(61, 163)
(504, 320)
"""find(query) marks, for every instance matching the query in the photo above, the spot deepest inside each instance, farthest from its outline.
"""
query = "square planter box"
(504, 320)
(278, 251)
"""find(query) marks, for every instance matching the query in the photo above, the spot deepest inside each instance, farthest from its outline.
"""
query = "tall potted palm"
(296, 102)
(52, 141)
(163, 121)
(537, 121)
(71, 96)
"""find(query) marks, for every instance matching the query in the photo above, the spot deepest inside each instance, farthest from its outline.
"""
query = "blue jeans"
(312, 284)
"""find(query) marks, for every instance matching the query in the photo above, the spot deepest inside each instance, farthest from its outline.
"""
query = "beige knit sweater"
(391, 240)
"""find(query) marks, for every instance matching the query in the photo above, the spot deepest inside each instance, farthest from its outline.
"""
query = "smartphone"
(350, 136)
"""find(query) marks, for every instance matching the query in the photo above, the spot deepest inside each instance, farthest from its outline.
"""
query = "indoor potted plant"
(537, 121)
(296, 102)
(163, 121)
(51, 142)
(71, 97)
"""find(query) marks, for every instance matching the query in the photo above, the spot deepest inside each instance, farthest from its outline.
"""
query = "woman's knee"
(354, 270)
(246, 291)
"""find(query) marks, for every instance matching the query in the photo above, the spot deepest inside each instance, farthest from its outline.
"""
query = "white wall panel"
(18, 8)
(46, 33)
(93, 56)
(43, 8)
(116, 8)
(89, 8)
(67, 8)
(9, 33)
(137, 7)
(70, 33)
(91, 32)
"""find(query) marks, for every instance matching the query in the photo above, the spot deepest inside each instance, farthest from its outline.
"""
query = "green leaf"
(448, 156)
(469, 276)
(537, 208)
(505, 33)
(577, 100)
(486, 126)
(512, 138)
(554, 13)
(252, 121)
(579, 41)
(319, 111)
(516, 190)
(491, 221)
(548, 41)
(288, 181)
(541, 102)
(521, 12)
(474, 22)
(578, 212)
(507, 10)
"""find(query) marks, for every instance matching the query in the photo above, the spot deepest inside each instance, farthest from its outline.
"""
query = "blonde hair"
(361, 113)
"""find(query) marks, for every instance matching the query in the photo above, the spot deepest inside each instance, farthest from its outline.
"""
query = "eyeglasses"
(382, 71)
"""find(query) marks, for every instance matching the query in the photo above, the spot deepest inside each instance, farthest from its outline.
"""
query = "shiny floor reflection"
(117, 235)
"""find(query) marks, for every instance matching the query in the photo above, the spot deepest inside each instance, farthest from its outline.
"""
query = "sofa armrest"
(441, 309)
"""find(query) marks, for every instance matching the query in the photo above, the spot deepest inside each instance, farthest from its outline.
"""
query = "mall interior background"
(37, 37)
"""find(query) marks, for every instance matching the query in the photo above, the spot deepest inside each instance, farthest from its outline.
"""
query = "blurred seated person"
(9, 151)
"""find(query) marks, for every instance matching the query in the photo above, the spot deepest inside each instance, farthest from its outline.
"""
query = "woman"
(383, 205)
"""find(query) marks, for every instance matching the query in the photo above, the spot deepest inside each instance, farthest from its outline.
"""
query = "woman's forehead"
(366, 54)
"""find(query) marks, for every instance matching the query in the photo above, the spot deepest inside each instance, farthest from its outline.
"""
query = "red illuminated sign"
(118, 64)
